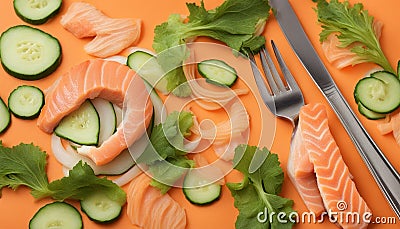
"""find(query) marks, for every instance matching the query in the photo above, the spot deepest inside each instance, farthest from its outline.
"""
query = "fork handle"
(385, 174)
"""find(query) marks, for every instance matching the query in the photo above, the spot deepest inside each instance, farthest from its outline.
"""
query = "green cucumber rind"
(375, 76)
(4, 110)
(21, 116)
(216, 62)
(45, 208)
(86, 209)
(141, 61)
(41, 21)
(46, 72)
(79, 142)
(396, 81)
(186, 192)
(369, 114)
(189, 192)
(398, 69)
(130, 61)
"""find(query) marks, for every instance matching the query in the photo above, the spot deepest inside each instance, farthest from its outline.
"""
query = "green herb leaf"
(166, 173)
(354, 27)
(234, 22)
(257, 194)
(24, 164)
(82, 182)
(165, 156)
(167, 138)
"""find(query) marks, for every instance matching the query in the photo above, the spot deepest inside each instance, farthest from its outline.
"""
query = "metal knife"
(385, 175)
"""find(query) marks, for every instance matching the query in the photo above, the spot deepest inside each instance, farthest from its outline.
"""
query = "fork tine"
(285, 70)
(262, 88)
(271, 73)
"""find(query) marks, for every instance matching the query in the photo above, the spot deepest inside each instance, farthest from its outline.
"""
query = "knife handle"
(384, 173)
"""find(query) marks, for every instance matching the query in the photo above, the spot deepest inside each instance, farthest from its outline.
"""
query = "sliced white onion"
(65, 171)
(69, 158)
(117, 58)
(190, 146)
(123, 59)
(131, 50)
(129, 175)
(61, 155)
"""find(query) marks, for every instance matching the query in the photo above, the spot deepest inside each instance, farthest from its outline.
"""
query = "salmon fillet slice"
(109, 80)
(315, 156)
(301, 172)
(111, 35)
(148, 208)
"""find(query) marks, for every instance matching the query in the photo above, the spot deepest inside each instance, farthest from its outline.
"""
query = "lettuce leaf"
(354, 27)
(82, 182)
(25, 164)
(165, 173)
(234, 22)
(258, 192)
(166, 156)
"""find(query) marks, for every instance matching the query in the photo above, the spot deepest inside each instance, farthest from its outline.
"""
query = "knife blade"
(385, 175)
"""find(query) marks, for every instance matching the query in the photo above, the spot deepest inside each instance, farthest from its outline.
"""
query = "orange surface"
(17, 207)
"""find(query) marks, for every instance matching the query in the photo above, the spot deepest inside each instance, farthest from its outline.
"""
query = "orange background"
(17, 207)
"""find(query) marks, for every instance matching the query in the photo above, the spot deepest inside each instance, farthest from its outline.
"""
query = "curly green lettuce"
(234, 22)
(25, 164)
(256, 197)
(354, 26)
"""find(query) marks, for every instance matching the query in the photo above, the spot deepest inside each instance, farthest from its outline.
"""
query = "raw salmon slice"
(148, 208)
(111, 35)
(315, 156)
(109, 80)
(301, 172)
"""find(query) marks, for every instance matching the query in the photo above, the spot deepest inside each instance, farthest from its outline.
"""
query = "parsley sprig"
(259, 189)
(355, 29)
(25, 164)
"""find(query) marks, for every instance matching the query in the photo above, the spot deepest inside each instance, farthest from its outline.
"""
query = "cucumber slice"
(108, 119)
(82, 126)
(56, 215)
(36, 12)
(160, 111)
(99, 208)
(217, 72)
(398, 69)
(379, 92)
(198, 190)
(118, 113)
(5, 117)
(26, 102)
(28, 53)
(368, 113)
(146, 65)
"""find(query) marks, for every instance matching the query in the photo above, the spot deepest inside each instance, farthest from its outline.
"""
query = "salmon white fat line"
(341, 216)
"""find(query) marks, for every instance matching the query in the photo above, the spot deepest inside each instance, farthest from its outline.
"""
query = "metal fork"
(283, 100)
